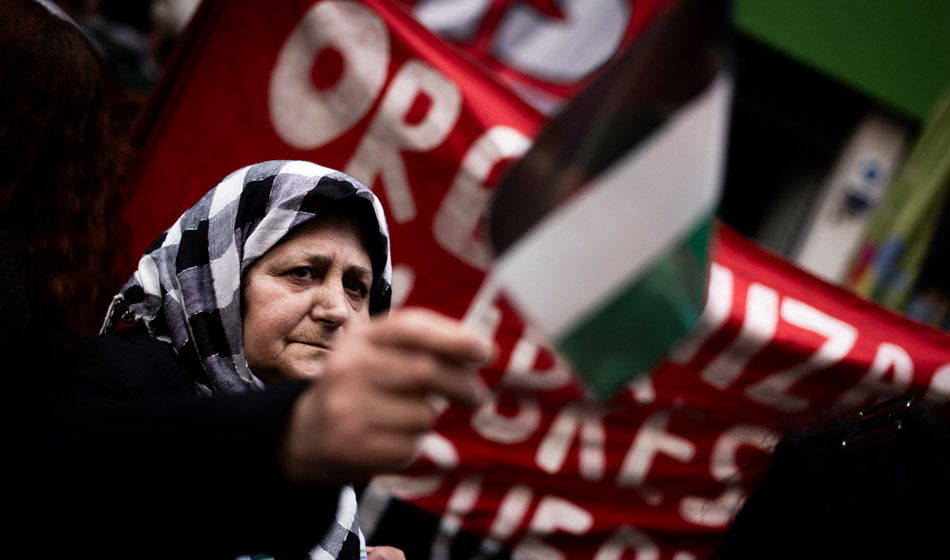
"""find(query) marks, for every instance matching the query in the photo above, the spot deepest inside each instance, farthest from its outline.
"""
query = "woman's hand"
(384, 553)
(369, 409)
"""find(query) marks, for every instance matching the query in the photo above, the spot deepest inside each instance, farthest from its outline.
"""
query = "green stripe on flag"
(629, 333)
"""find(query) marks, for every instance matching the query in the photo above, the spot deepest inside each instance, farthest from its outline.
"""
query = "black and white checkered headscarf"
(187, 289)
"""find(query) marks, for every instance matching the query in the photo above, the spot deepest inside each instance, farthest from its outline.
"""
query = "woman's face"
(300, 296)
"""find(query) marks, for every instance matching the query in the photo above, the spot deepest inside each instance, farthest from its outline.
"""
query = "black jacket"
(118, 456)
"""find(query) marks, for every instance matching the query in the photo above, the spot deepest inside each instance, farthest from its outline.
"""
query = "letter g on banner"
(307, 117)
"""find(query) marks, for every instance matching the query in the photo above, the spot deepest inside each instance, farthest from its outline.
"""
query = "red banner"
(656, 470)
(570, 42)
(362, 87)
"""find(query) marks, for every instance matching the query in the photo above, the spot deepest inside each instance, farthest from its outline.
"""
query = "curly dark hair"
(60, 170)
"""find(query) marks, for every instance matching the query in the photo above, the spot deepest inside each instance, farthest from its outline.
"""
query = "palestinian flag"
(602, 230)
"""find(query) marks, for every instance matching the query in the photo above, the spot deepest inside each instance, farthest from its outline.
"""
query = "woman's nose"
(329, 305)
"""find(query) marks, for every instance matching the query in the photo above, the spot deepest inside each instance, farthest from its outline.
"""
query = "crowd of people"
(227, 399)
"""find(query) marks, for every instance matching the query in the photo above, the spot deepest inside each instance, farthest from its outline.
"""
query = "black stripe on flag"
(672, 62)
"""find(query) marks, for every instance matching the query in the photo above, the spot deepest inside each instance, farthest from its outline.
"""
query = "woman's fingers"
(428, 331)
(384, 553)
(418, 352)
(373, 403)
(413, 372)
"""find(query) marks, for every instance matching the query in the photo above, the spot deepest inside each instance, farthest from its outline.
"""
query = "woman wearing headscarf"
(261, 377)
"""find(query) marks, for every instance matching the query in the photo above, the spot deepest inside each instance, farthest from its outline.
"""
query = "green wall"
(896, 52)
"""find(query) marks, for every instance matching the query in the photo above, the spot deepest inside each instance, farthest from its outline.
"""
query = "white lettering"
(758, 329)
(840, 338)
(573, 48)
(403, 279)
(520, 371)
(305, 117)
(641, 389)
(519, 374)
(552, 514)
(378, 153)
(461, 502)
(651, 439)
(454, 19)
(565, 50)
(494, 426)
(441, 451)
(457, 220)
(714, 316)
(939, 390)
(717, 512)
(511, 512)
(627, 538)
(574, 418)
(889, 357)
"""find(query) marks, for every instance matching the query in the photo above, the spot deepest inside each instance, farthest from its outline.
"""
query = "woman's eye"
(300, 272)
(357, 287)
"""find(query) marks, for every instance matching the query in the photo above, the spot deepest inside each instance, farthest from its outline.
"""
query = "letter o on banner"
(306, 117)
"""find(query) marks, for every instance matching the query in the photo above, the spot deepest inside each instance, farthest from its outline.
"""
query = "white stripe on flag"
(597, 243)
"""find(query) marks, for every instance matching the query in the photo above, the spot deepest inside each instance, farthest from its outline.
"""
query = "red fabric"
(644, 473)
(480, 41)
(657, 456)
